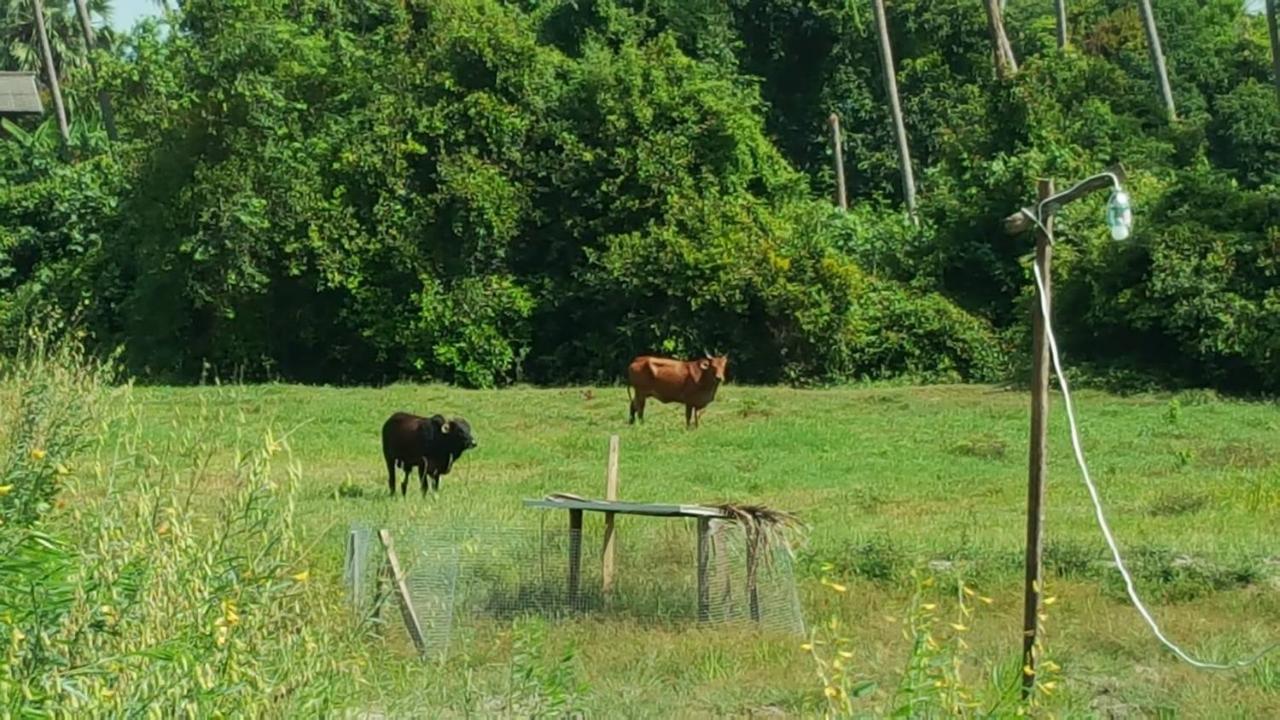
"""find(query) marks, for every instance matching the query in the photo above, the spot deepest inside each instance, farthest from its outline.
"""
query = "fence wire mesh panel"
(468, 581)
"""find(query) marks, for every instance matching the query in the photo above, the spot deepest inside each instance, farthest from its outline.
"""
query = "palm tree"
(20, 47)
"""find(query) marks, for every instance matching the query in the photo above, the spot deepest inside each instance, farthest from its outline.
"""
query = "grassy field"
(888, 479)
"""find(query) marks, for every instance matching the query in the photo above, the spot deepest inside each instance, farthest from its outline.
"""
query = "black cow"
(431, 444)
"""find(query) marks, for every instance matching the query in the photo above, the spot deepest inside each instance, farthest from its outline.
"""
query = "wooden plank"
(1038, 450)
(575, 555)
(402, 594)
(627, 508)
(704, 549)
(607, 565)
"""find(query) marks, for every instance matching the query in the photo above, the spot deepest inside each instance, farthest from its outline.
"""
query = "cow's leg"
(404, 484)
(422, 477)
(435, 481)
(637, 407)
(391, 475)
(697, 417)
(688, 415)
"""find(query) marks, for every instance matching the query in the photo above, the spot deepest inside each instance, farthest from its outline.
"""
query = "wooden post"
(351, 568)
(1060, 13)
(1273, 29)
(1157, 57)
(704, 551)
(575, 555)
(51, 74)
(753, 562)
(610, 540)
(1038, 447)
(837, 154)
(104, 100)
(895, 107)
(1006, 64)
(402, 594)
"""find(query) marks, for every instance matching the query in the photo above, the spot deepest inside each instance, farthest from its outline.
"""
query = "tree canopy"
(484, 192)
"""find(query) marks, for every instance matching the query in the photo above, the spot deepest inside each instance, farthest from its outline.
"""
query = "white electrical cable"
(1097, 503)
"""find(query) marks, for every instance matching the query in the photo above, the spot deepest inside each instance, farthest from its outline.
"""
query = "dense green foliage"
(485, 192)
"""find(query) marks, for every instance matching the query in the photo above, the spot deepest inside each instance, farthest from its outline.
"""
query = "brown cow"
(692, 383)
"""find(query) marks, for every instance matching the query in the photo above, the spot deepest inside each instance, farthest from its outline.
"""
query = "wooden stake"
(1157, 57)
(1060, 13)
(1006, 64)
(1038, 448)
(575, 555)
(51, 74)
(104, 100)
(1273, 29)
(704, 552)
(402, 594)
(753, 562)
(837, 154)
(895, 107)
(610, 540)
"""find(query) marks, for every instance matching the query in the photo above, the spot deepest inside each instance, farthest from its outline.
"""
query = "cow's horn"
(705, 353)
(445, 427)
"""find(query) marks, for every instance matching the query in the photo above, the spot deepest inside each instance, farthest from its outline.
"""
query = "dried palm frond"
(765, 528)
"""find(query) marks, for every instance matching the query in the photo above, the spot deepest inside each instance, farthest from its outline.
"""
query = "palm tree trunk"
(1060, 15)
(1157, 57)
(51, 73)
(895, 107)
(104, 100)
(1006, 63)
(1273, 27)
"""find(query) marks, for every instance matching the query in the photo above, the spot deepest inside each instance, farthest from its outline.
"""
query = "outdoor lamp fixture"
(1119, 213)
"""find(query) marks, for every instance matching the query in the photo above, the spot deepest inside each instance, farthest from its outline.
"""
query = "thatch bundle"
(765, 528)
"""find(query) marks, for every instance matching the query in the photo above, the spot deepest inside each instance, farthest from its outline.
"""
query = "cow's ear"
(446, 427)
(704, 364)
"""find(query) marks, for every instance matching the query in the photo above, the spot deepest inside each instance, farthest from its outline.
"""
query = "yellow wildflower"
(1051, 666)
(985, 600)
(1050, 600)
(302, 576)
(846, 654)
(806, 647)
(62, 469)
(930, 606)
(37, 454)
(958, 627)
(834, 585)
(832, 692)
(5, 490)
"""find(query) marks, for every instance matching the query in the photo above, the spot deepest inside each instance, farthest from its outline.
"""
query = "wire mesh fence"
(462, 578)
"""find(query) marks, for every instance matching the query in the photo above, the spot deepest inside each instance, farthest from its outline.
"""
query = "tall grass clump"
(144, 600)
(940, 677)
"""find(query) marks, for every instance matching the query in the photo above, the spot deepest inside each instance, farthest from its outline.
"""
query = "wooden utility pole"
(51, 73)
(104, 100)
(1060, 13)
(1006, 63)
(1039, 442)
(1273, 28)
(895, 107)
(1157, 57)
(837, 153)
(608, 565)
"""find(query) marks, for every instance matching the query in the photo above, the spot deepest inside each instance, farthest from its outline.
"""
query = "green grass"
(887, 478)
